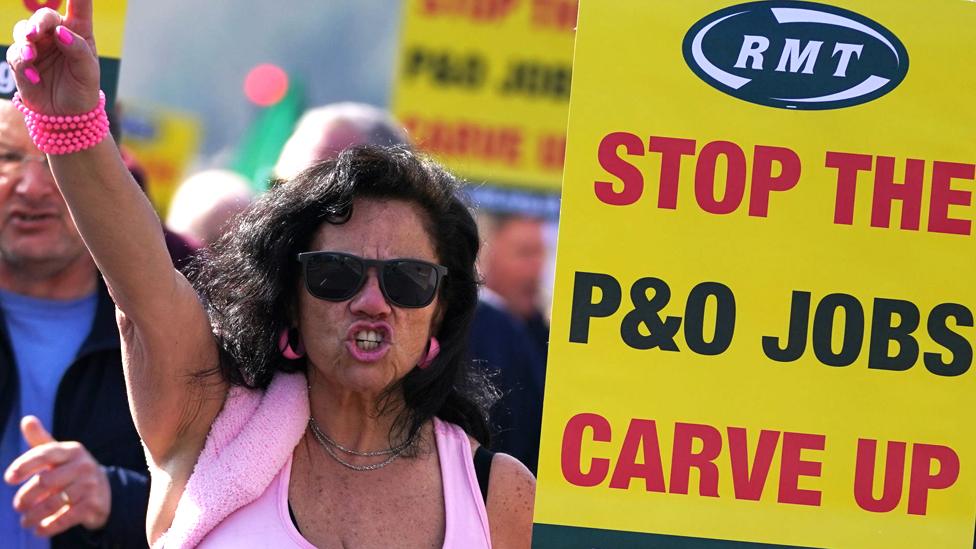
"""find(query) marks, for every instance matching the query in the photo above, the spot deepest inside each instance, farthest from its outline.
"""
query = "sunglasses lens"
(333, 277)
(410, 283)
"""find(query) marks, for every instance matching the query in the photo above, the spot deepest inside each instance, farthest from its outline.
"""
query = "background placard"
(109, 23)
(484, 86)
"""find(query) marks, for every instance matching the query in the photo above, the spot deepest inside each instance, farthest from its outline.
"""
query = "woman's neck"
(357, 421)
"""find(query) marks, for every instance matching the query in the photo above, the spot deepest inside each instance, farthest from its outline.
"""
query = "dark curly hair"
(250, 278)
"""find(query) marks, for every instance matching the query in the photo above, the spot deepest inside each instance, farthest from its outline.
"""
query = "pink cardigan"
(249, 442)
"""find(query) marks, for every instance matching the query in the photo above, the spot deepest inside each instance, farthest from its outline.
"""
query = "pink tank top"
(266, 522)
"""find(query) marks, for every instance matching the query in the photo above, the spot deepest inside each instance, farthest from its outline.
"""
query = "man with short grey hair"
(323, 132)
(74, 467)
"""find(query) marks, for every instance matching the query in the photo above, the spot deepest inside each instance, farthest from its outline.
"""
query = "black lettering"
(823, 330)
(562, 80)
(882, 332)
(962, 351)
(796, 338)
(584, 308)
(535, 79)
(445, 68)
(695, 318)
(415, 59)
(474, 73)
(660, 333)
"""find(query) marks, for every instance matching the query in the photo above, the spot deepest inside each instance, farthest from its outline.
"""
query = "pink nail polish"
(32, 34)
(28, 53)
(32, 75)
(64, 36)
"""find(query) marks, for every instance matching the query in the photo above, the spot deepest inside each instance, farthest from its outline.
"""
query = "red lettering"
(886, 190)
(34, 5)
(555, 14)
(476, 10)
(642, 433)
(921, 479)
(552, 152)
(944, 195)
(499, 144)
(410, 124)
(573, 448)
(763, 182)
(671, 149)
(628, 174)
(864, 475)
(847, 165)
(683, 458)
(749, 485)
(735, 180)
(793, 467)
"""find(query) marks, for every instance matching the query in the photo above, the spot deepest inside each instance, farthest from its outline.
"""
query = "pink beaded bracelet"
(65, 134)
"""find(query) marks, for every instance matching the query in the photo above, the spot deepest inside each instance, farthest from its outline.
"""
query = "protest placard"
(763, 321)
(484, 86)
(165, 143)
(109, 23)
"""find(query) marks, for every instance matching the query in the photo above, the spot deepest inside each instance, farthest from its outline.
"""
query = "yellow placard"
(108, 18)
(763, 311)
(164, 142)
(484, 86)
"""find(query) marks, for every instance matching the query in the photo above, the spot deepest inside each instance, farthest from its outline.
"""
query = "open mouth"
(368, 340)
(32, 217)
(27, 218)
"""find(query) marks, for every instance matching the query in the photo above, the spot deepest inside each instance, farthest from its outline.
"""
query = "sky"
(193, 55)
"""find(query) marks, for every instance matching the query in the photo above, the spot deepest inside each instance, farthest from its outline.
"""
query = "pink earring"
(290, 344)
(433, 349)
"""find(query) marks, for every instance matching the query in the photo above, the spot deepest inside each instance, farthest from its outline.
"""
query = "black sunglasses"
(335, 276)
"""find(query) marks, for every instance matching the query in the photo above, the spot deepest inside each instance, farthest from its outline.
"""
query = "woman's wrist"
(65, 134)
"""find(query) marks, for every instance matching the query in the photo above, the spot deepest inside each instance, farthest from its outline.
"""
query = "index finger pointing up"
(79, 17)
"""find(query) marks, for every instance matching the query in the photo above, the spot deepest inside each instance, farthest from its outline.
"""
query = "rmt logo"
(795, 55)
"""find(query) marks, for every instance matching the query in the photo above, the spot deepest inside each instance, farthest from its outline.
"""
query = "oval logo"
(795, 55)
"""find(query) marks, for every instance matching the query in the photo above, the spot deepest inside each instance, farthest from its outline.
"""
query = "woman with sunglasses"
(312, 389)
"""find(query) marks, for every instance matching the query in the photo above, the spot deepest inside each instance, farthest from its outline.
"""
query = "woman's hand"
(54, 61)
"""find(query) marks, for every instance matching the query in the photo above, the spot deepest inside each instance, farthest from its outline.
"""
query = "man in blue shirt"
(512, 262)
(60, 373)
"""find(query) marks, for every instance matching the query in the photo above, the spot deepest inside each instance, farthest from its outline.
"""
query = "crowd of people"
(353, 358)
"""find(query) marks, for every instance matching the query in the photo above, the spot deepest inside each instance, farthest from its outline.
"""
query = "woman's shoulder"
(512, 481)
(509, 479)
(511, 500)
(503, 463)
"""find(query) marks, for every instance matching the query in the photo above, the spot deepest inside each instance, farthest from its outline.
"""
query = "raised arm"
(165, 329)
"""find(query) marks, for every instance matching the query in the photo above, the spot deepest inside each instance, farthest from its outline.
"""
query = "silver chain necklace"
(321, 434)
(328, 444)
